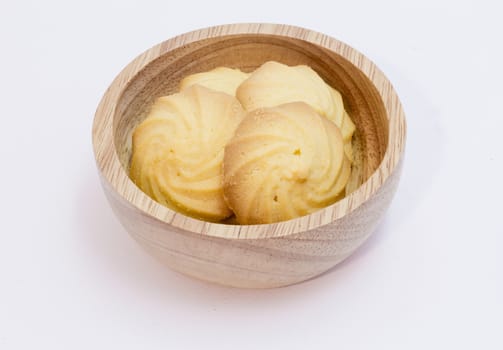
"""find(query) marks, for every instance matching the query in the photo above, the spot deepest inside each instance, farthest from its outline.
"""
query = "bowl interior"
(247, 52)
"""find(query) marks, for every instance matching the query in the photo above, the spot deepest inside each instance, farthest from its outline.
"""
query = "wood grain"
(253, 256)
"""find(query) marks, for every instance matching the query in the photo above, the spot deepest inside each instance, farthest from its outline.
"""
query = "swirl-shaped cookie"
(284, 162)
(178, 151)
(274, 83)
(221, 79)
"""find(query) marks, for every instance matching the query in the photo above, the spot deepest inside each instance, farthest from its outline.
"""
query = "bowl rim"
(116, 177)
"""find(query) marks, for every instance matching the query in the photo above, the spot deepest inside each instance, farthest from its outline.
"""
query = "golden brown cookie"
(178, 151)
(275, 83)
(284, 162)
(221, 79)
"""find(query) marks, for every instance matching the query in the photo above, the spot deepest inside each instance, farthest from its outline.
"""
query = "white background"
(431, 277)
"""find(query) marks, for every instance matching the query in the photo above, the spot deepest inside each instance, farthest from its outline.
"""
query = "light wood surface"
(253, 256)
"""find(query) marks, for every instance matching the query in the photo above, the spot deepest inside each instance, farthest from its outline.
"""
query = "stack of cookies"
(259, 147)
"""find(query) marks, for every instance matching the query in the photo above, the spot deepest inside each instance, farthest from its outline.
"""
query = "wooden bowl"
(254, 256)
